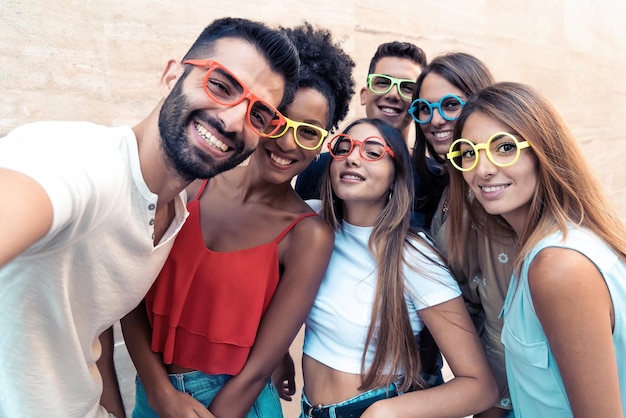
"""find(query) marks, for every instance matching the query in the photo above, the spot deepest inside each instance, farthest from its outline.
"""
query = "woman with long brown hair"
(384, 283)
(517, 168)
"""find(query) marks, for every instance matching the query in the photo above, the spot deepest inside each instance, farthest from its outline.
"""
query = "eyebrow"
(313, 122)
(397, 78)
(230, 77)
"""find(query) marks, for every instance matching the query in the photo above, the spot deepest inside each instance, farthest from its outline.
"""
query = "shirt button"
(151, 206)
(151, 222)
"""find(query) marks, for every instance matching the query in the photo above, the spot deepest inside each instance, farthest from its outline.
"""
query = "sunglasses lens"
(340, 147)
(309, 136)
(372, 150)
(380, 84)
(263, 119)
(406, 89)
(421, 111)
(503, 149)
(279, 128)
(450, 107)
(467, 157)
(223, 88)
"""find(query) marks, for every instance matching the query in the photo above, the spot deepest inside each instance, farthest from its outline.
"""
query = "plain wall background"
(99, 60)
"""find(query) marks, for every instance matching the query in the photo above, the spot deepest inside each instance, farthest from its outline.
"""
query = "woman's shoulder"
(311, 226)
(571, 254)
(574, 240)
(309, 238)
(308, 223)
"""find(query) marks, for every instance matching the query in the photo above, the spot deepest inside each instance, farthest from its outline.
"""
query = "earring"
(390, 195)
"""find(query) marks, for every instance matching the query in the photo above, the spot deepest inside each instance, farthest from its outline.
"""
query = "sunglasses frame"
(290, 123)
(452, 154)
(414, 108)
(360, 143)
(394, 82)
(212, 65)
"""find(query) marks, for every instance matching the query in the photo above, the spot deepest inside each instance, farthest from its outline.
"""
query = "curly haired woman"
(246, 266)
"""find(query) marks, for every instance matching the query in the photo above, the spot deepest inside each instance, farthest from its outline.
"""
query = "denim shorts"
(337, 410)
(203, 388)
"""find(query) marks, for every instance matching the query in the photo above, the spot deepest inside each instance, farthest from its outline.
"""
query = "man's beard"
(187, 160)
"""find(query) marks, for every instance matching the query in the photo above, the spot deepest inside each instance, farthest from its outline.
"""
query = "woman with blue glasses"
(441, 92)
(519, 169)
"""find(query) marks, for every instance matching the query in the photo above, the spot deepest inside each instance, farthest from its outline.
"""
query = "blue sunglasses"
(449, 107)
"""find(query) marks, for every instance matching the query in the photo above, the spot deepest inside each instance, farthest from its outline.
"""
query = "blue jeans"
(203, 388)
(334, 410)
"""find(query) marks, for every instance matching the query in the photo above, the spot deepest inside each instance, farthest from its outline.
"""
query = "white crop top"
(337, 325)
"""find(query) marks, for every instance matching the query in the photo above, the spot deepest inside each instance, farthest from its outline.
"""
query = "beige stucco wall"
(100, 60)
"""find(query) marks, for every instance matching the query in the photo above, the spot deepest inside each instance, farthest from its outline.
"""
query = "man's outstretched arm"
(25, 213)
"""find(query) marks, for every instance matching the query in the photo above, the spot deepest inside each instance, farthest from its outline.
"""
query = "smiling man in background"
(387, 95)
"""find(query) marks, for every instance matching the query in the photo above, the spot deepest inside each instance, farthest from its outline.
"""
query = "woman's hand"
(284, 378)
(178, 404)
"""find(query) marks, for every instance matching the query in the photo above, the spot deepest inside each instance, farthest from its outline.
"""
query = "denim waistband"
(351, 408)
(197, 380)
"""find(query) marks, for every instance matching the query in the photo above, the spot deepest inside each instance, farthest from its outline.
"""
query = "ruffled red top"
(205, 306)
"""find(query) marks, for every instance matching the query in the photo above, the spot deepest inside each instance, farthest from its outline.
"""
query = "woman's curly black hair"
(325, 67)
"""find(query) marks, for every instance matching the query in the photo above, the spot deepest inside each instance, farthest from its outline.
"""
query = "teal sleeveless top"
(534, 378)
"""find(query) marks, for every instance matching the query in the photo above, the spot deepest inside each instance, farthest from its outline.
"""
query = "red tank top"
(205, 306)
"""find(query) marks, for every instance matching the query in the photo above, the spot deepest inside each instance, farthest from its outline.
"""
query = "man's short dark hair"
(398, 50)
(274, 45)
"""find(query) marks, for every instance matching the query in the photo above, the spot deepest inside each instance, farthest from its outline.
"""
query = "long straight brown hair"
(396, 349)
(567, 190)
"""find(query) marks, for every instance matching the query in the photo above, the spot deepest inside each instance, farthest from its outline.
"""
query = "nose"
(393, 93)
(484, 167)
(287, 142)
(437, 119)
(234, 117)
(354, 158)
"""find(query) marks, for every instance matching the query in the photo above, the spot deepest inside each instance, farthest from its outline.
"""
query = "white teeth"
(280, 161)
(490, 189)
(210, 139)
(351, 177)
(389, 110)
(442, 134)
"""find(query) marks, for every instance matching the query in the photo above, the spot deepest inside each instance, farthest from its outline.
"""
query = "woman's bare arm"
(574, 306)
(473, 388)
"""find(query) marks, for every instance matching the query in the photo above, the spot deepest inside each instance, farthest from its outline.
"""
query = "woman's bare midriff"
(325, 385)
